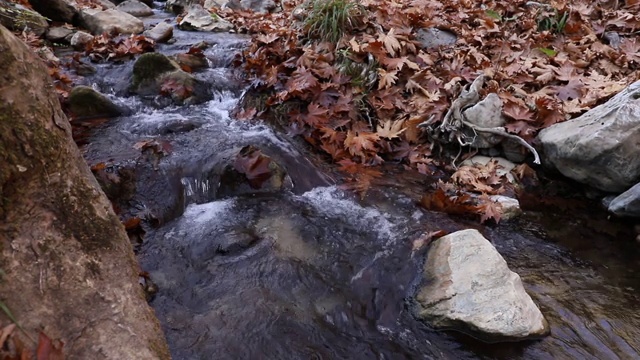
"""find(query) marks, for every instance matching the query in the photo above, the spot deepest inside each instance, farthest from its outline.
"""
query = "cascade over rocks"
(599, 148)
(68, 267)
(470, 288)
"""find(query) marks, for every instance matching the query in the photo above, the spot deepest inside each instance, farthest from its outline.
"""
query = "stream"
(315, 272)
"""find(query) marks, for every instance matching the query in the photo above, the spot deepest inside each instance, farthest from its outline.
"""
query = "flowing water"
(315, 272)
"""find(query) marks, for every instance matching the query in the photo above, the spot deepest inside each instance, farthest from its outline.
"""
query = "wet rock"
(599, 148)
(627, 203)
(111, 20)
(470, 288)
(155, 74)
(236, 241)
(160, 33)
(83, 101)
(433, 38)
(56, 10)
(135, 8)
(147, 69)
(191, 61)
(199, 19)
(80, 39)
(252, 172)
(18, 18)
(510, 206)
(59, 34)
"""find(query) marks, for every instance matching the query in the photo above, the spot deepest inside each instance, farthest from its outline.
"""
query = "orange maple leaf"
(358, 142)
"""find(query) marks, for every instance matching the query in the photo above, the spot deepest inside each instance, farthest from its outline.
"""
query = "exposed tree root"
(455, 123)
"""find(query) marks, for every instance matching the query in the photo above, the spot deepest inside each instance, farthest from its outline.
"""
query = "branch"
(502, 132)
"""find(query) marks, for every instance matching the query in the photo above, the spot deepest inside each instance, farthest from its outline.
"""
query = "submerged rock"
(599, 148)
(85, 102)
(199, 19)
(99, 21)
(470, 288)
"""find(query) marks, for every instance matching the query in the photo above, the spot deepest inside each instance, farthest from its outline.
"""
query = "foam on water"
(332, 203)
(196, 214)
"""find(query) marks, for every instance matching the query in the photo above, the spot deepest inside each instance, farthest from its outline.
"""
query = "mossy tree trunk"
(68, 264)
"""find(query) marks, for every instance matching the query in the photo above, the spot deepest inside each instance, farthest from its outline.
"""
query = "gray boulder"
(135, 8)
(155, 74)
(599, 148)
(80, 39)
(56, 10)
(59, 34)
(470, 288)
(627, 203)
(160, 33)
(101, 21)
(199, 19)
(17, 17)
(83, 101)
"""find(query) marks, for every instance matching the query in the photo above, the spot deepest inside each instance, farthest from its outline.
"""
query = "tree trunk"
(69, 269)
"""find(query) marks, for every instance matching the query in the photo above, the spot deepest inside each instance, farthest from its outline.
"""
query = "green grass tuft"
(329, 20)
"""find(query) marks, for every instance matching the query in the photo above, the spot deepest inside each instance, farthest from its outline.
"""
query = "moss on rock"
(148, 68)
(85, 102)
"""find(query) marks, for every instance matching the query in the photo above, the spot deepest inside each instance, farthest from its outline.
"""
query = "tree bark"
(69, 269)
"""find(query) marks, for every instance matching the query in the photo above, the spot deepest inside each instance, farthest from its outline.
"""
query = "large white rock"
(160, 33)
(470, 288)
(199, 19)
(599, 148)
(135, 8)
(101, 21)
